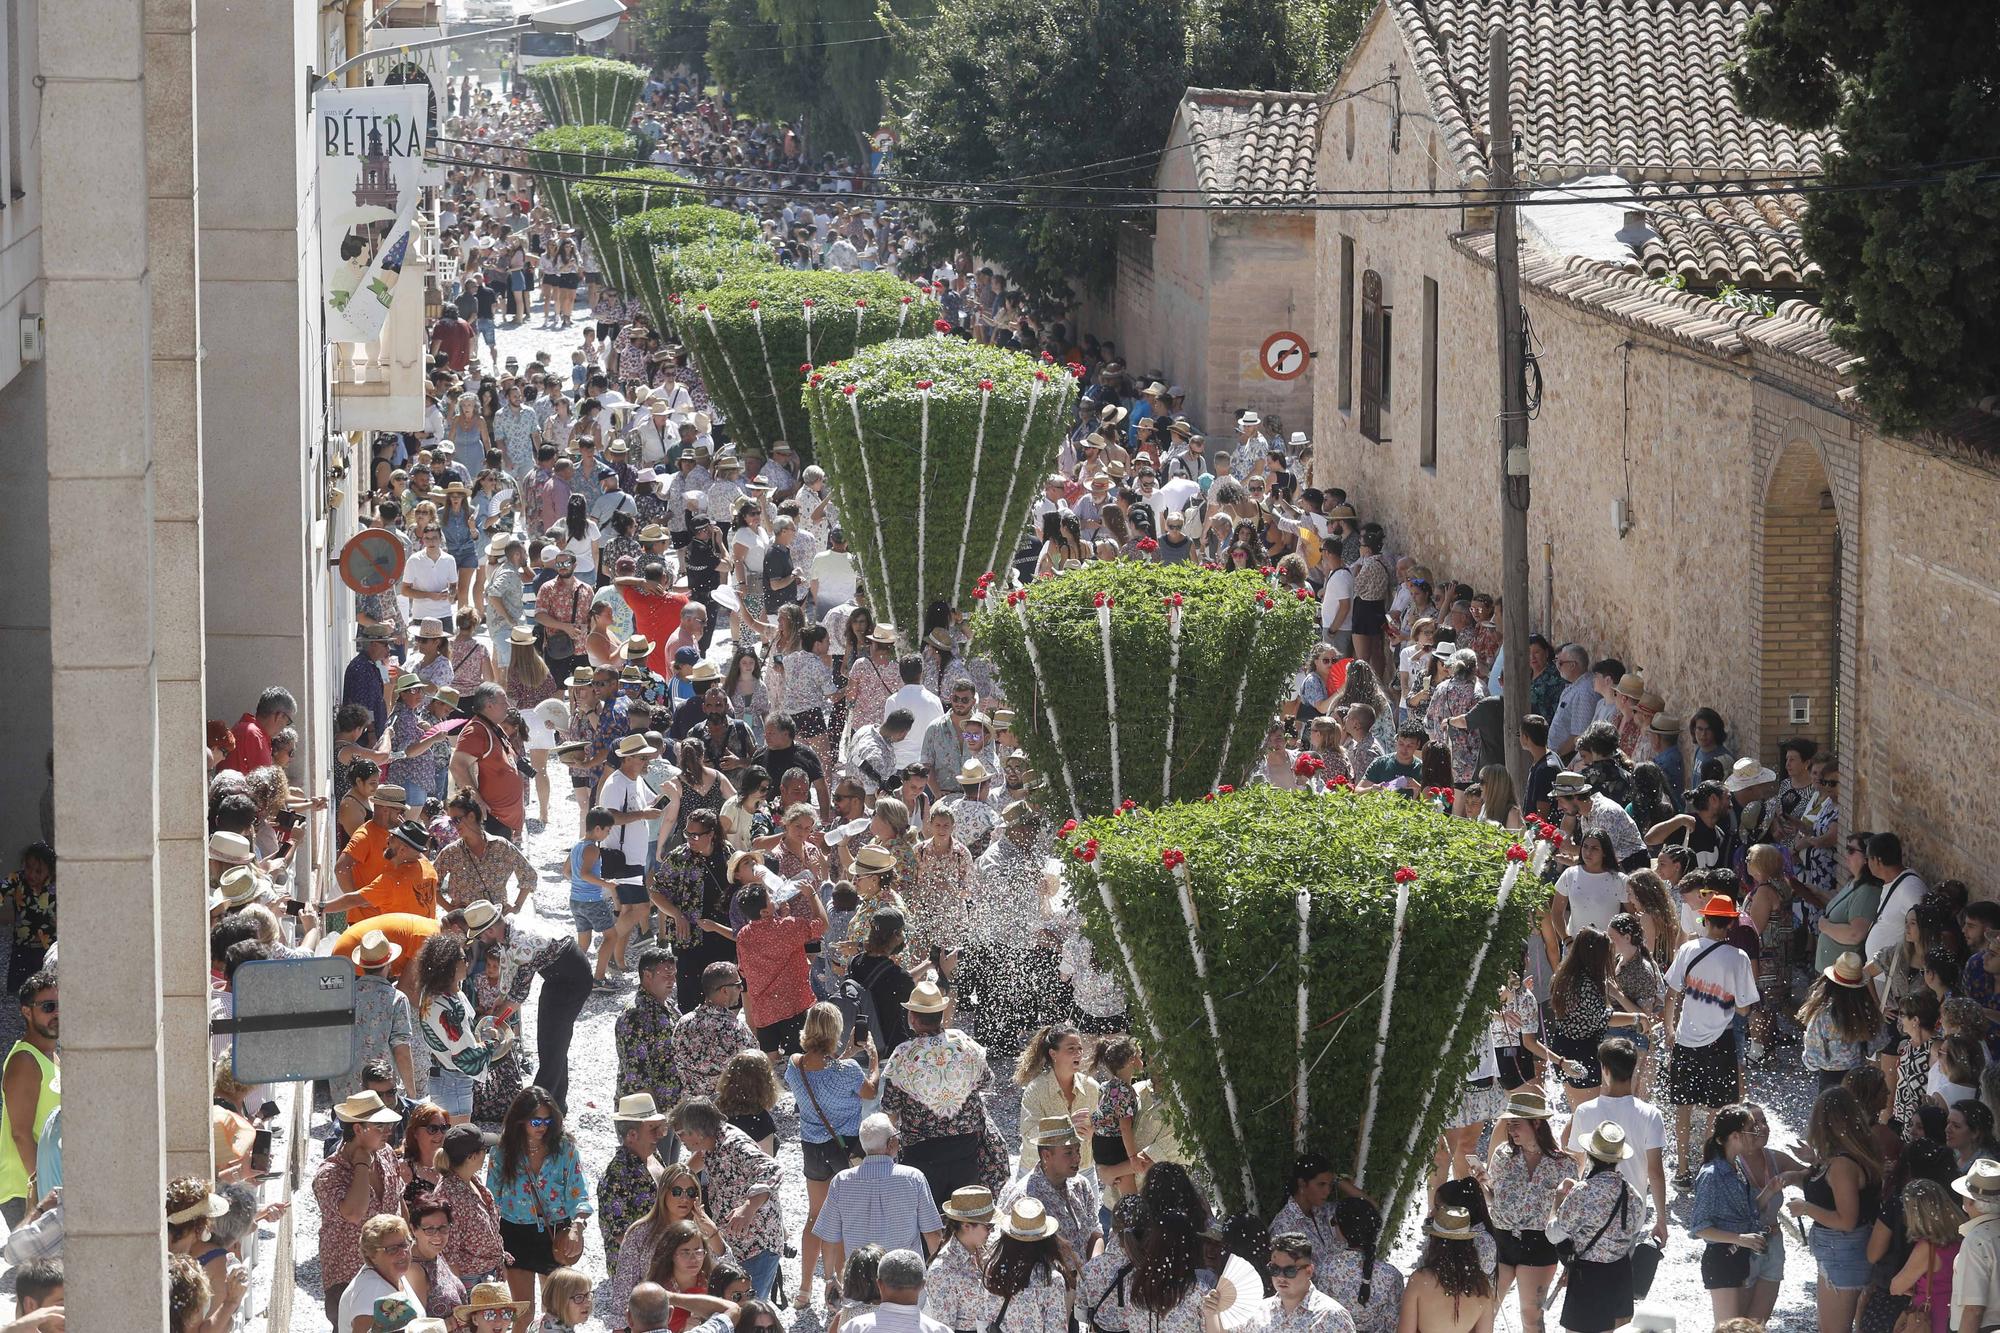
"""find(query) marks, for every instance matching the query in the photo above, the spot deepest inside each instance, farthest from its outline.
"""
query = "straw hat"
(392, 795)
(1055, 1130)
(637, 647)
(971, 773)
(883, 634)
(1003, 718)
(634, 744)
(480, 914)
(704, 673)
(1747, 773)
(1650, 702)
(445, 695)
(231, 847)
(970, 1203)
(1567, 783)
(365, 1108)
(521, 636)
(874, 860)
(1607, 1143)
(1028, 1220)
(581, 677)
(939, 638)
(214, 1205)
(240, 885)
(926, 998)
(490, 1296)
(1452, 1224)
(653, 532)
(409, 680)
(638, 1108)
(1527, 1104)
(1842, 971)
(430, 627)
(1632, 685)
(376, 950)
(1665, 724)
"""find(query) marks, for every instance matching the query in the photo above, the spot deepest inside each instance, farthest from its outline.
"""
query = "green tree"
(1911, 276)
(674, 33)
(1069, 92)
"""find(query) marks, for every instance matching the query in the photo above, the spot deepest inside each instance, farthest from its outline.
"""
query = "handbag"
(1917, 1318)
(565, 1245)
(853, 1151)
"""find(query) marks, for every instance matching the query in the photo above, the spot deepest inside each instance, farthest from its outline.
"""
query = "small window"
(1427, 448)
(1374, 356)
(1349, 137)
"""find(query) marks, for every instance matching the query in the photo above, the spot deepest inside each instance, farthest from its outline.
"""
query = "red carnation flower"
(1209, 797)
(675, 299)
(1545, 831)
(818, 379)
(1068, 827)
(906, 301)
(1267, 570)
(1128, 804)
(1171, 857)
(805, 368)
(923, 384)
(1147, 544)
(1174, 599)
(1225, 789)
(1042, 376)
(979, 594)
(1516, 852)
(1101, 599)
(1049, 357)
(847, 389)
(808, 303)
(703, 306)
(1342, 780)
(941, 325)
(1307, 764)
(1210, 564)
(753, 303)
(1405, 875)
(1556, 841)
(986, 386)
(1087, 852)
(1076, 372)
(860, 303)
(1303, 594)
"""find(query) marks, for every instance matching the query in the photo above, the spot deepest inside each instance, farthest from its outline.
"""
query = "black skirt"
(533, 1247)
(1524, 1249)
(1600, 1296)
(1703, 1075)
(1109, 1149)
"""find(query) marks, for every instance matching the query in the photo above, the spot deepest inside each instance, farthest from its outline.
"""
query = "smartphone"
(294, 906)
(260, 1152)
(268, 1111)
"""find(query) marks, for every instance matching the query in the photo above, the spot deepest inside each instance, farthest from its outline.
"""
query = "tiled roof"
(1796, 328)
(1252, 147)
(1635, 88)
(1751, 240)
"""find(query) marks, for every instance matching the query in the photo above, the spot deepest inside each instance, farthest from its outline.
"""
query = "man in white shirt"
(832, 578)
(1050, 501)
(1336, 603)
(1710, 980)
(430, 578)
(923, 707)
(1902, 889)
(1645, 1128)
(655, 433)
(871, 751)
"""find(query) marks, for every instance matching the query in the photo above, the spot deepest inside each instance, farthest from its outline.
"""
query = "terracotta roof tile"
(1253, 147)
(1635, 88)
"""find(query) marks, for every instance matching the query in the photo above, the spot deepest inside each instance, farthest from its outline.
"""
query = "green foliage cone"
(622, 194)
(1236, 661)
(1249, 854)
(750, 334)
(580, 150)
(584, 90)
(642, 238)
(663, 271)
(959, 492)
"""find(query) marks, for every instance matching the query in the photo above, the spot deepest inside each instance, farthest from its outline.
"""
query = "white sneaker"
(1756, 1052)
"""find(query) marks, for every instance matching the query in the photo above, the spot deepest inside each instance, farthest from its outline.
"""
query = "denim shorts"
(1770, 1265)
(1842, 1256)
(595, 914)
(451, 1091)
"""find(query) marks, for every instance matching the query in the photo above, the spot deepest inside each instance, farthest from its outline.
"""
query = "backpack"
(857, 1006)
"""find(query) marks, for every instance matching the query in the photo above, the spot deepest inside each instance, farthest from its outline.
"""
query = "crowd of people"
(805, 852)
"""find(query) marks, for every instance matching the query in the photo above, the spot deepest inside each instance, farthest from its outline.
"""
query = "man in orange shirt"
(364, 856)
(406, 930)
(409, 882)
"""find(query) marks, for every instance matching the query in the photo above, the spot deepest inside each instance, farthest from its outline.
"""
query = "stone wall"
(1262, 282)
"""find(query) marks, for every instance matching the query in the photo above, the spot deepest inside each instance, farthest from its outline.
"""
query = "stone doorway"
(1800, 645)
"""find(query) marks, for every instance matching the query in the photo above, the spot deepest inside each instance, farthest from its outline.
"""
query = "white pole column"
(171, 235)
(102, 628)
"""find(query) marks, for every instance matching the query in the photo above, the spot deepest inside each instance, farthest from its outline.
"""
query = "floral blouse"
(552, 1195)
(644, 1035)
(473, 1249)
(1116, 1101)
(635, 1253)
(1455, 698)
(1590, 1206)
(446, 1289)
(34, 913)
(731, 1171)
(955, 1292)
(340, 1239)
(1043, 1307)
(705, 1041)
(1520, 1198)
(1826, 1050)
(910, 1091)
(940, 897)
(1316, 1227)
(1317, 1313)
(1340, 1278)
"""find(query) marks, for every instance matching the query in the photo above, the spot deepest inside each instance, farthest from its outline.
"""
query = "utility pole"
(1513, 412)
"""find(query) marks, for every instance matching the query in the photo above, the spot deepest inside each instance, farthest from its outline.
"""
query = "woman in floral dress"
(1447, 717)
(28, 902)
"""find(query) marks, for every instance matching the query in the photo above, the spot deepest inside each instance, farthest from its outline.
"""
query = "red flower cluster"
(1264, 600)
(1210, 564)
(986, 386)
(1127, 806)
(1087, 851)
(1017, 596)
(1225, 789)
(806, 368)
(808, 303)
(1173, 599)
(1068, 827)
(1102, 599)
(1405, 875)
(979, 594)
(1549, 834)
(753, 303)
(1075, 370)
(1173, 857)
(1042, 376)
(906, 301)
(923, 385)
(702, 307)
(1307, 764)
(941, 325)
(1267, 570)
(1147, 544)
(985, 580)
(818, 379)
(1049, 357)
(1342, 780)
(1303, 594)
(674, 299)
(1443, 793)
(847, 389)
(1516, 852)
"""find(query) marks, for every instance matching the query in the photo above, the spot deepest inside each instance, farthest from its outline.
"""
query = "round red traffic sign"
(372, 560)
(1284, 355)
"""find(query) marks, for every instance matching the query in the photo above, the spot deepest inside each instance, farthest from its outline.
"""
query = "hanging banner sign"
(370, 145)
(431, 68)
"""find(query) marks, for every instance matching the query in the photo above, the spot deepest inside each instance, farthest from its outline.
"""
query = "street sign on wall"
(1284, 355)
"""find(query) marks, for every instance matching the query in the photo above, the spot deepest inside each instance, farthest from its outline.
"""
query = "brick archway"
(1799, 601)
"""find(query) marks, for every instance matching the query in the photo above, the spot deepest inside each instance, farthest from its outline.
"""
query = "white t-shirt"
(440, 575)
(834, 572)
(1898, 897)
(1594, 898)
(1725, 981)
(622, 795)
(755, 543)
(1339, 588)
(1645, 1129)
(925, 708)
(584, 548)
(368, 1287)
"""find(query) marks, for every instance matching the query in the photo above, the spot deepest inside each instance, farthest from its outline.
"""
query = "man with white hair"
(899, 1280)
(1975, 1274)
(880, 1202)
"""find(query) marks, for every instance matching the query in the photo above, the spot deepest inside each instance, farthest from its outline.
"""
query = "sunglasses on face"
(47, 1006)
(1287, 1271)
(495, 1316)
(540, 1121)
(684, 1191)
